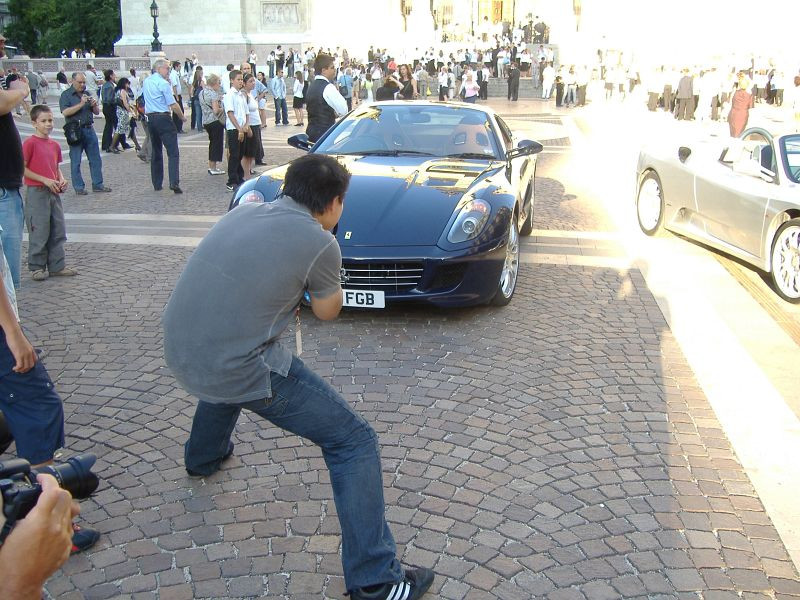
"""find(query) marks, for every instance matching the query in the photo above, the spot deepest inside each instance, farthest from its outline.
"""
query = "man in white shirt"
(323, 101)
(236, 128)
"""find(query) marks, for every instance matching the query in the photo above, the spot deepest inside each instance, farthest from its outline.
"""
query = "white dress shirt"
(334, 99)
(235, 101)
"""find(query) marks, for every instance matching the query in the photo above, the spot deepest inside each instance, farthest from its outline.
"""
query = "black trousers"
(162, 133)
(513, 90)
(442, 93)
(110, 116)
(235, 170)
(216, 140)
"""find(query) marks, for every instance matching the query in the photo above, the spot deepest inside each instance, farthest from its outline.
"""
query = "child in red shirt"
(44, 214)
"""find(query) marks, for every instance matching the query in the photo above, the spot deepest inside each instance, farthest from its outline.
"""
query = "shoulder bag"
(72, 131)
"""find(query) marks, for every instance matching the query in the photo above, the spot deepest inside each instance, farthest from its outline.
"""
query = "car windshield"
(790, 148)
(414, 129)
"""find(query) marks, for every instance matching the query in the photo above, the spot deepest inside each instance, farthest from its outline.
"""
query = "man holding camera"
(235, 361)
(78, 105)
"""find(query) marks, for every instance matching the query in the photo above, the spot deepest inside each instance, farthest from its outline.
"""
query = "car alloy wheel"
(508, 276)
(650, 203)
(786, 261)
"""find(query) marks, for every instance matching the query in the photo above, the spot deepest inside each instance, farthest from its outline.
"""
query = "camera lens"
(75, 475)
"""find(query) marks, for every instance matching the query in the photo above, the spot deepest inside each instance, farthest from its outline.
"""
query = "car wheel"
(508, 276)
(650, 204)
(527, 226)
(786, 261)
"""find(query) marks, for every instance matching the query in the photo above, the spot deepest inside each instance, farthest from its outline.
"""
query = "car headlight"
(470, 221)
(251, 196)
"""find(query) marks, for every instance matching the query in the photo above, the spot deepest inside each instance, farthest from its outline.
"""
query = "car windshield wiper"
(472, 155)
(388, 153)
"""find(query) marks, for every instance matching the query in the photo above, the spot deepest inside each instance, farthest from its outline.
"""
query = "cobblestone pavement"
(559, 447)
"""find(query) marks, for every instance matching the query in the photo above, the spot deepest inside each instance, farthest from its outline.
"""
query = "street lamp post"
(155, 45)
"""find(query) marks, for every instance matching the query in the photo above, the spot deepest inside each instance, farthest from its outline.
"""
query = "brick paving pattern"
(557, 448)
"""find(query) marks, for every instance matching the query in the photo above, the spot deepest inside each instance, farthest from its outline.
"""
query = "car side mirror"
(301, 142)
(524, 148)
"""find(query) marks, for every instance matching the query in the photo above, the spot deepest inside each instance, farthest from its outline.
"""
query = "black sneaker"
(230, 187)
(83, 538)
(414, 585)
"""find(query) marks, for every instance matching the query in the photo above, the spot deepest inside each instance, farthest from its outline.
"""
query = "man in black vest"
(323, 100)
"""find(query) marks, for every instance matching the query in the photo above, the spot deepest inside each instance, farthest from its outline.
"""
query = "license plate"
(363, 299)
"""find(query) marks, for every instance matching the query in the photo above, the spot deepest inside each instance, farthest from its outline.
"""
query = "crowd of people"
(464, 73)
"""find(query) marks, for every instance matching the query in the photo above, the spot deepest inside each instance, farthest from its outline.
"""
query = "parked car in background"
(740, 196)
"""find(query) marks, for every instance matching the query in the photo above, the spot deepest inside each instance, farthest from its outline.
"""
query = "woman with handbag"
(124, 115)
(210, 100)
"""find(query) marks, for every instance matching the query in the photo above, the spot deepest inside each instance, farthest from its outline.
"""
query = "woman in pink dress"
(741, 103)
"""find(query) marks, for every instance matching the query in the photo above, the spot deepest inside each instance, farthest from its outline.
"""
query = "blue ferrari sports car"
(439, 195)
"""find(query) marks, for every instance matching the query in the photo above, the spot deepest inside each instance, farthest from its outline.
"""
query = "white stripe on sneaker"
(406, 591)
(399, 591)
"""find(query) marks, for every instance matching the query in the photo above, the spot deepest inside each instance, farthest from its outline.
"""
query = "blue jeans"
(281, 110)
(162, 131)
(12, 220)
(197, 115)
(89, 145)
(304, 404)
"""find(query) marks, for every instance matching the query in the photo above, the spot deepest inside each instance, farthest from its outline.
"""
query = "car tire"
(650, 204)
(785, 271)
(510, 271)
(527, 226)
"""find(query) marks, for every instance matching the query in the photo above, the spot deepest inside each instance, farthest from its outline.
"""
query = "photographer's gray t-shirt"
(238, 293)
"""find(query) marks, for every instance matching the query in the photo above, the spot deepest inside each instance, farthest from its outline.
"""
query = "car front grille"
(388, 277)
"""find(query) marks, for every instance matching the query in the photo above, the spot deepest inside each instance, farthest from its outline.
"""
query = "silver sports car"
(740, 196)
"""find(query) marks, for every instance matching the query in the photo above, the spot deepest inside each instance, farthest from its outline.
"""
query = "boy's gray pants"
(44, 219)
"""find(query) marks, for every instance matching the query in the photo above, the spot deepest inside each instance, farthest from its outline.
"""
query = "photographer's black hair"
(315, 180)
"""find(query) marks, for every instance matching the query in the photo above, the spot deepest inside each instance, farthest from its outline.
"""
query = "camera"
(20, 490)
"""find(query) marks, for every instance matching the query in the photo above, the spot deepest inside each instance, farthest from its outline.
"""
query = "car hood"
(401, 201)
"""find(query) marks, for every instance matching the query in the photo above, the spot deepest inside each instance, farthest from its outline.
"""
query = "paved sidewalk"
(560, 447)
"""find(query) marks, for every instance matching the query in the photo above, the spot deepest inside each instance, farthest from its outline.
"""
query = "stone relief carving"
(280, 15)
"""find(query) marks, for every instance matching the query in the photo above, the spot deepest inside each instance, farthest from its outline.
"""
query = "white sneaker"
(216, 172)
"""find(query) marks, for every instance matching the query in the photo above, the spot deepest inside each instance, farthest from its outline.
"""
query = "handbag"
(343, 86)
(72, 132)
